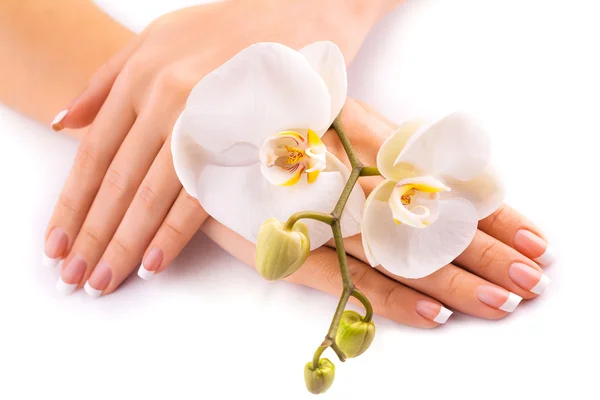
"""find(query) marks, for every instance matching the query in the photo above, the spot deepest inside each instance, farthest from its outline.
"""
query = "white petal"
(485, 192)
(454, 146)
(414, 253)
(264, 89)
(327, 59)
(391, 148)
(351, 220)
(381, 193)
(242, 199)
(189, 159)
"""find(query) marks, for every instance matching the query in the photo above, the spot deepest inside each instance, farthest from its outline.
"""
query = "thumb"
(83, 109)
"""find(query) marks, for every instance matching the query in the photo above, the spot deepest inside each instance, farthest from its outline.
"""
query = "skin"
(122, 197)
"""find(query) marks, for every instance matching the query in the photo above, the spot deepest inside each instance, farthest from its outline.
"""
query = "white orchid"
(438, 185)
(248, 144)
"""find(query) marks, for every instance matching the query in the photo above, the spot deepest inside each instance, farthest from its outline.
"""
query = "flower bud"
(320, 379)
(354, 335)
(280, 252)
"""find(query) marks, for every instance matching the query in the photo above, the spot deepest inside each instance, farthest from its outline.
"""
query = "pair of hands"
(123, 203)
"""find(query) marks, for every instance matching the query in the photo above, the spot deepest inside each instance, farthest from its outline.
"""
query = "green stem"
(317, 356)
(366, 304)
(333, 220)
(339, 207)
(342, 258)
(326, 218)
(339, 129)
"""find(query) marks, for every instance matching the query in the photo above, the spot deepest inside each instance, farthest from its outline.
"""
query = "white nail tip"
(59, 117)
(144, 273)
(91, 291)
(547, 258)
(50, 262)
(443, 315)
(511, 303)
(65, 288)
(541, 285)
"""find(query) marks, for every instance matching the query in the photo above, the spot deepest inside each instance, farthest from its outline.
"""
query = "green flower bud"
(320, 379)
(354, 336)
(280, 252)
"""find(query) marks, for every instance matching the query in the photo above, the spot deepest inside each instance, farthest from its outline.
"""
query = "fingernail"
(528, 277)
(55, 247)
(534, 247)
(57, 124)
(499, 298)
(99, 280)
(150, 263)
(71, 275)
(433, 311)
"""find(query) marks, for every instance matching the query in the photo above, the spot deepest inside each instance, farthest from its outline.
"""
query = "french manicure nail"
(57, 124)
(151, 263)
(433, 311)
(534, 247)
(71, 275)
(497, 297)
(99, 280)
(528, 277)
(55, 247)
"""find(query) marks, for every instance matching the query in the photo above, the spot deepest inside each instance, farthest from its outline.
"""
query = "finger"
(321, 271)
(151, 203)
(455, 287)
(513, 229)
(501, 264)
(94, 155)
(119, 185)
(84, 108)
(183, 221)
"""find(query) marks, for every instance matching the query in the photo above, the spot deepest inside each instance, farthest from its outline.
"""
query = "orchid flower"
(438, 185)
(248, 144)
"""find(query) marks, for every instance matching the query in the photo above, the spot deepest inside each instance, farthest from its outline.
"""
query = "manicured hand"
(502, 266)
(122, 202)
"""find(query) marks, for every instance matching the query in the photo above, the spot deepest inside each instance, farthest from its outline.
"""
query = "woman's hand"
(488, 280)
(122, 201)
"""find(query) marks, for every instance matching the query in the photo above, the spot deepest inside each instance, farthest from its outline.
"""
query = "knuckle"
(190, 201)
(85, 160)
(172, 79)
(146, 195)
(358, 274)
(488, 255)
(115, 181)
(120, 246)
(134, 67)
(90, 236)
(497, 219)
(455, 282)
(392, 297)
(174, 228)
(67, 203)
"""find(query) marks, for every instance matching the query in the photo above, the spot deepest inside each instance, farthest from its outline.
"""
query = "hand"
(498, 262)
(122, 202)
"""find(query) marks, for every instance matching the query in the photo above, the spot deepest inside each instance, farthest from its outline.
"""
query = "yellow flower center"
(294, 155)
(412, 198)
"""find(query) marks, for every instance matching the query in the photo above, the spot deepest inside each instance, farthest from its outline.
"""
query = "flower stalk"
(333, 220)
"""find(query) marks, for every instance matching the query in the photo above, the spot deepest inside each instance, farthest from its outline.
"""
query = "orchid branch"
(333, 220)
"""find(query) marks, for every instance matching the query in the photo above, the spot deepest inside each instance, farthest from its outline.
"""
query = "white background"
(211, 328)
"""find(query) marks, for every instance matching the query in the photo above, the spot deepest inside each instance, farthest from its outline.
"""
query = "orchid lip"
(413, 201)
(288, 154)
